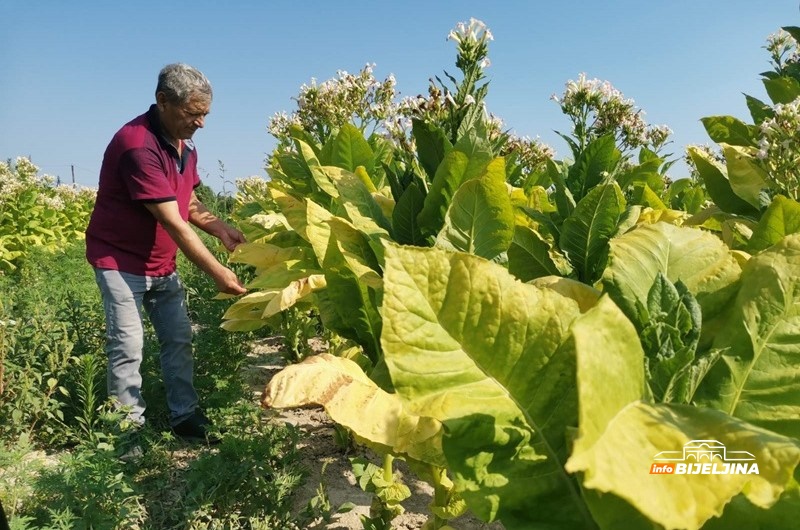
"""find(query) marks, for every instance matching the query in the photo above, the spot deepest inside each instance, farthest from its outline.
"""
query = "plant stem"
(441, 494)
(388, 472)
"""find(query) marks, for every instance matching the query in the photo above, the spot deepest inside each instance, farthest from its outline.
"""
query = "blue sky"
(72, 73)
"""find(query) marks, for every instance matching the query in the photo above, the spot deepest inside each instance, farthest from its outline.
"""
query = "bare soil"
(318, 449)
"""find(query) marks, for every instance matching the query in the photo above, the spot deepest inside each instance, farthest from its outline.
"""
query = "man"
(145, 203)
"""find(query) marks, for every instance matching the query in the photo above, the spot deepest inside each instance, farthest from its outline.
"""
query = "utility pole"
(72, 166)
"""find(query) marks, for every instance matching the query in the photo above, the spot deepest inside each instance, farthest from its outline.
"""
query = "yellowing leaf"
(351, 399)
(585, 295)
(621, 460)
(652, 216)
(386, 204)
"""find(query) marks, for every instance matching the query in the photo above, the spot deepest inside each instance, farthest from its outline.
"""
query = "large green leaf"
(594, 163)
(695, 257)
(351, 150)
(353, 286)
(717, 184)
(644, 173)
(353, 193)
(622, 458)
(739, 513)
(457, 168)
(645, 196)
(729, 130)
(315, 168)
(404, 216)
(565, 202)
(475, 145)
(432, 145)
(610, 376)
(471, 346)
(610, 370)
(758, 375)
(531, 256)
(480, 219)
(449, 176)
(587, 231)
(308, 219)
(747, 178)
(781, 219)
(782, 89)
(293, 167)
(759, 110)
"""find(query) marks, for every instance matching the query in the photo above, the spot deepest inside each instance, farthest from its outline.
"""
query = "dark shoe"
(131, 444)
(195, 429)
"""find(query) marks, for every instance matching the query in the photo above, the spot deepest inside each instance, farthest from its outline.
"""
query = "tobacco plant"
(542, 403)
(757, 171)
(35, 213)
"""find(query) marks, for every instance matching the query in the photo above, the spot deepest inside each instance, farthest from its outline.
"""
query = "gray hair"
(179, 82)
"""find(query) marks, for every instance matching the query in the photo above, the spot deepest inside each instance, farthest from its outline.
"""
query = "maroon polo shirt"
(139, 166)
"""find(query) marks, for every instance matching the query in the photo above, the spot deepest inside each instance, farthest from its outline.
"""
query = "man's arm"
(190, 244)
(206, 221)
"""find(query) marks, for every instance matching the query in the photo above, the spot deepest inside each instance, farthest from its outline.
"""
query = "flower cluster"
(783, 50)
(474, 31)
(253, 187)
(371, 104)
(532, 153)
(596, 108)
(23, 175)
(321, 108)
(779, 149)
(443, 106)
(13, 179)
(431, 109)
(472, 39)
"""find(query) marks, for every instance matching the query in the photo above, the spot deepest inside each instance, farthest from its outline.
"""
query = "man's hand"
(227, 282)
(190, 244)
(231, 237)
(203, 219)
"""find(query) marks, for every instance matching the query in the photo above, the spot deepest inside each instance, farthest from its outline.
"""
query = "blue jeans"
(124, 296)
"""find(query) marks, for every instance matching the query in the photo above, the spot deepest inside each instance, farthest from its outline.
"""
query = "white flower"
(474, 31)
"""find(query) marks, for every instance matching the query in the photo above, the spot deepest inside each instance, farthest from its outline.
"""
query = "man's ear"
(161, 101)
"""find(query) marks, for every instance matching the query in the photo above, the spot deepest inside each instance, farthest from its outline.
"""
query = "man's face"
(181, 120)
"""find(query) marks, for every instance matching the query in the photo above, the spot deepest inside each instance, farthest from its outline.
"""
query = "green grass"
(59, 455)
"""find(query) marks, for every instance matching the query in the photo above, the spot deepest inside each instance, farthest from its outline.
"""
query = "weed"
(92, 486)
(320, 507)
(252, 474)
(52, 396)
(297, 327)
